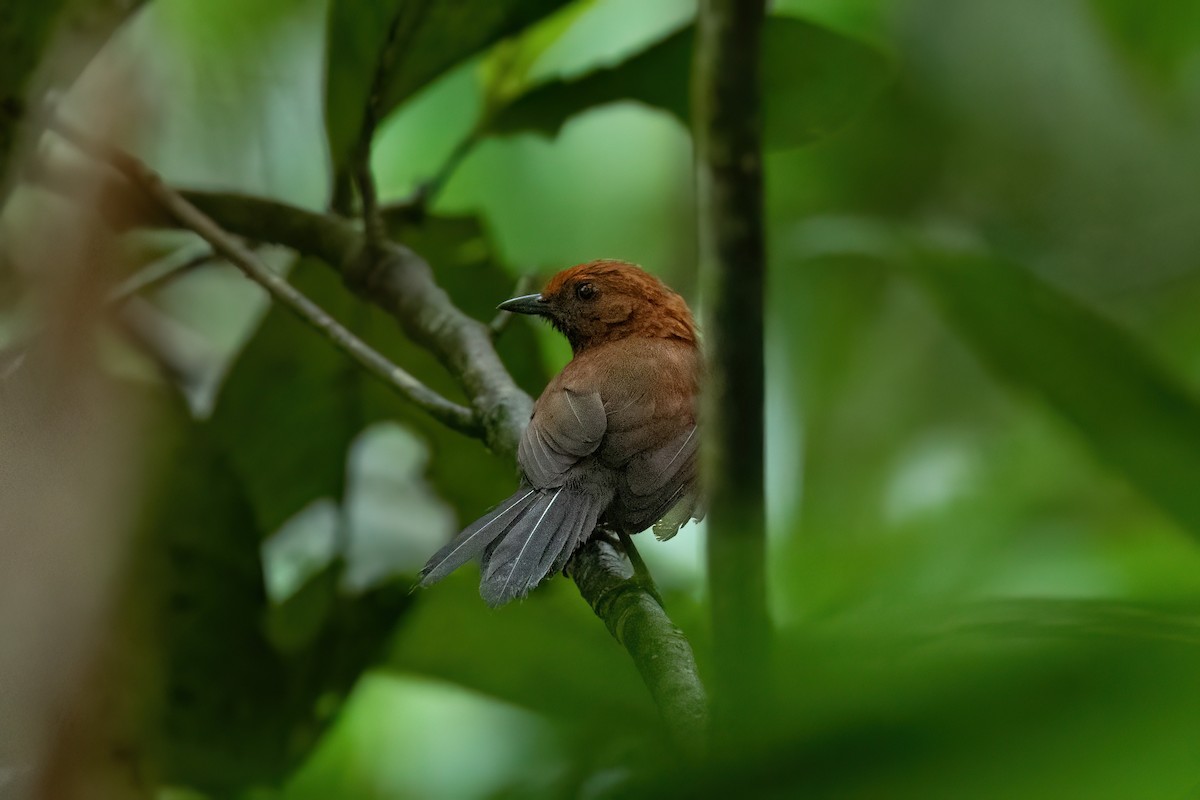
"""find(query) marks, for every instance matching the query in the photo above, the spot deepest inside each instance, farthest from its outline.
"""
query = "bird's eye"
(585, 291)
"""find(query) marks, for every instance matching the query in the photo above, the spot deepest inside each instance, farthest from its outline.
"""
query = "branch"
(402, 283)
(189, 217)
(727, 126)
(156, 275)
(405, 287)
(659, 650)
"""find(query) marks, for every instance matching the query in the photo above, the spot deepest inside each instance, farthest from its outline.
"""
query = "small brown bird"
(612, 442)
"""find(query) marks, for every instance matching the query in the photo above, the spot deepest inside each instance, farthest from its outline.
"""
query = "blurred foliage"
(407, 43)
(25, 29)
(814, 79)
(983, 372)
(212, 656)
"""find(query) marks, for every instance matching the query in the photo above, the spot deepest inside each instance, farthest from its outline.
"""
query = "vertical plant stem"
(727, 124)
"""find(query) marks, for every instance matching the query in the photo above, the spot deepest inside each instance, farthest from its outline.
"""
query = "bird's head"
(601, 301)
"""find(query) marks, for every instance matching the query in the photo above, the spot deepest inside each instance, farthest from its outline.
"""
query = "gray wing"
(566, 427)
(655, 481)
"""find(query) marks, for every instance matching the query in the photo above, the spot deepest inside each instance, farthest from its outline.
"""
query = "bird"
(612, 443)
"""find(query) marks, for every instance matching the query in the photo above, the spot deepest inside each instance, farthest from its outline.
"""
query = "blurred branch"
(150, 331)
(727, 125)
(402, 284)
(172, 348)
(188, 216)
(156, 275)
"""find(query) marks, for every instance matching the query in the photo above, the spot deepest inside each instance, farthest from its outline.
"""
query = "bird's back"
(647, 389)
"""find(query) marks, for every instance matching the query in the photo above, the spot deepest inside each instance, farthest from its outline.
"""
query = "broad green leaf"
(197, 584)
(814, 81)
(226, 708)
(506, 69)
(549, 654)
(413, 42)
(1138, 417)
(290, 406)
(431, 740)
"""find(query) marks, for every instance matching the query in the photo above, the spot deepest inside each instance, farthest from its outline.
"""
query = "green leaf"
(505, 71)
(1158, 38)
(226, 708)
(1137, 416)
(552, 656)
(245, 95)
(1031, 700)
(290, 407)
(414, 42)
(814, 81)
(197, 583)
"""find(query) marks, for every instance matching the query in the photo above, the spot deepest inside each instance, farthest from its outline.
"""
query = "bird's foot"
(641, 574)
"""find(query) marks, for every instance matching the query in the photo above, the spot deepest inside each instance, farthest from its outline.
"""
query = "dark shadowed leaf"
(25, 28)
(814, 80)
(1137, 416)
(290, 407)
(428, 37)
(229, 709)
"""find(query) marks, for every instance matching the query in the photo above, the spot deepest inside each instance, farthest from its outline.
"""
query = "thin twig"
(503, 318)
(155, 276)
(400, 33)
(430, 189)
(417, 204)
(187, 215)
(126, 317)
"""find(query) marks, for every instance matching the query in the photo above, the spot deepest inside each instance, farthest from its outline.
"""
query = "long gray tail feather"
(476, 538)
(582, 531)
(518, 562)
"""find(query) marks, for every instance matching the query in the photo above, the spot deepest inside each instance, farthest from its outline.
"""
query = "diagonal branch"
(188, 216)
(660, 651)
